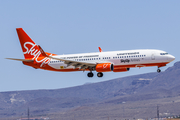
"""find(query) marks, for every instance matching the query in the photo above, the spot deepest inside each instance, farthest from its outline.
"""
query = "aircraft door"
(153, 56)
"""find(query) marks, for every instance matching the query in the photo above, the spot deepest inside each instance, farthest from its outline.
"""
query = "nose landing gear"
(158, 70)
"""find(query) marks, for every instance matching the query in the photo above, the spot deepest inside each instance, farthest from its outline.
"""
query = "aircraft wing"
(76, 64)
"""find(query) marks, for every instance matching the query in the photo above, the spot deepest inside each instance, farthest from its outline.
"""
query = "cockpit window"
(163, 53)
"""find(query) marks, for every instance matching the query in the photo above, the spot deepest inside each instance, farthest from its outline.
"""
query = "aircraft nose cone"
(171, 58)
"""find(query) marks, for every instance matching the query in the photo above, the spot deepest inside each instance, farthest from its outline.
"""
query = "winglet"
(100, 50)
(42, 51)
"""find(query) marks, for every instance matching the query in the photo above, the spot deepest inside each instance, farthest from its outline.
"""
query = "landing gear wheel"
(158, 70)
(90, 74)
(100, 74)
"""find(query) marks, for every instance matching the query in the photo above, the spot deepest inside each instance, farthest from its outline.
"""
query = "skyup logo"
(124, 61)
(35, 53)
(129, 60)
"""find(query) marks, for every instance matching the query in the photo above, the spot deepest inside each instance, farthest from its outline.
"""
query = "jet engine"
(104, 67)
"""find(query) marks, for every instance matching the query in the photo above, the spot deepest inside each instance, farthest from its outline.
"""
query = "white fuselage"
(132, 58)
(116, 61)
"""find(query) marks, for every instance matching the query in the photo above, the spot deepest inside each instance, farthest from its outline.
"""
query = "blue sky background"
(81, 26)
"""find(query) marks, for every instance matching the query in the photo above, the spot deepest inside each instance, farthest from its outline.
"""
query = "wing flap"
(74, 63)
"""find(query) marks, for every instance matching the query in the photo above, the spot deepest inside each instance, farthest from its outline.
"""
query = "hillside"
(93, 99)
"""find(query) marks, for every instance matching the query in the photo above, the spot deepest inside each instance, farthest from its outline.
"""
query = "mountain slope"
(136, 88)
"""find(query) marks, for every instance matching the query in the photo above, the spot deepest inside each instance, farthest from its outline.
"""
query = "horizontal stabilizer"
(25, 60)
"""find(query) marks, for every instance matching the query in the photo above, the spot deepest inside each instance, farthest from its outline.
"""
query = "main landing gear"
(90, 74)
(99, 74)
(158, 70)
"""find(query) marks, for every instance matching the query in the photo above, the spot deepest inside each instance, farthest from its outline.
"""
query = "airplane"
(113, 61)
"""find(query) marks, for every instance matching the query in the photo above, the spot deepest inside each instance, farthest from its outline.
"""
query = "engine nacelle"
(104, 67)
(121, 69)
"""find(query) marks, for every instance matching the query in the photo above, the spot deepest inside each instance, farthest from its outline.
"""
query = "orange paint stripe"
(47, 67)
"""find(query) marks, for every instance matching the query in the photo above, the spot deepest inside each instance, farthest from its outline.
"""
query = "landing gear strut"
(158, 70)
(100, 74)
(90, 74)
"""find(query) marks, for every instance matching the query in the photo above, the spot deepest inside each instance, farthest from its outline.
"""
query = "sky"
(81, 26)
